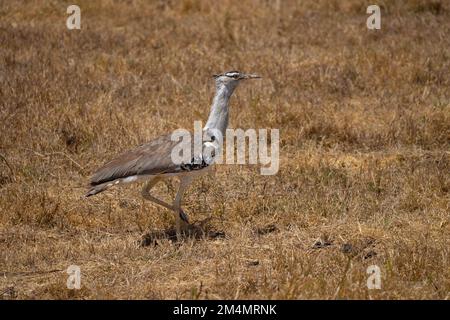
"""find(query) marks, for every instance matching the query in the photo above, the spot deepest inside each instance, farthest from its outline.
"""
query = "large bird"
(153, 161)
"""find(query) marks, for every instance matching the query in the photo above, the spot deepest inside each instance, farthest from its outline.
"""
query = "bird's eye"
(234, 75)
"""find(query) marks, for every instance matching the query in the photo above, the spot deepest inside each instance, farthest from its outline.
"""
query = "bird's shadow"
(197, 230)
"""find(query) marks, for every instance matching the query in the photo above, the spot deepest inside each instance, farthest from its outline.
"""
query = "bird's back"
(150, 158)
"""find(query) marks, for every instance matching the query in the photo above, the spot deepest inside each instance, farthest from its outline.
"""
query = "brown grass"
(364, 118)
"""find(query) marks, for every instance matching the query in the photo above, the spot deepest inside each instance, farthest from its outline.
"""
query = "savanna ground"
(364, 119)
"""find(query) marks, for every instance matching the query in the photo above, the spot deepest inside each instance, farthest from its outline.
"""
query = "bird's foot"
(182, 231)
(200, 229)
(183, 216)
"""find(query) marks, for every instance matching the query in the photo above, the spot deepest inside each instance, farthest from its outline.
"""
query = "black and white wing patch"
(205, 159)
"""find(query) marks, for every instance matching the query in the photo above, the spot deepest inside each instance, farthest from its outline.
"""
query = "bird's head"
(232, 78)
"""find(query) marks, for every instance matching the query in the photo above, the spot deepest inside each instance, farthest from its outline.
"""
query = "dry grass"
(364, 119)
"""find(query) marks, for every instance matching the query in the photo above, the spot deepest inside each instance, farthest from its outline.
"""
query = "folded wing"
(150, 158)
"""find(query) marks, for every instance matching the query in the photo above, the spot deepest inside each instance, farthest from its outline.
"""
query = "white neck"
(218, 117)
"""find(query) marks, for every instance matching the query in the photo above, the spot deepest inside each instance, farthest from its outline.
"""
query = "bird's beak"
(250, 76)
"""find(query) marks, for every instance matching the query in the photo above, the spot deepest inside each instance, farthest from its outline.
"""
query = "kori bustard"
(152, 161)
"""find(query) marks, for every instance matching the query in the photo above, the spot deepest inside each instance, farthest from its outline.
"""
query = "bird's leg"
(182, 220)
(146, 193)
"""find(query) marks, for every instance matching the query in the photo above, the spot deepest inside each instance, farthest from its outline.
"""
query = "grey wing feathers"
(153, 157)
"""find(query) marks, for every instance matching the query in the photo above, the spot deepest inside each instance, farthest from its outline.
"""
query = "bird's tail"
(97, 189)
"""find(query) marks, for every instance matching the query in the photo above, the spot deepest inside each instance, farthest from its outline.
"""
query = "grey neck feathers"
(218, 117)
